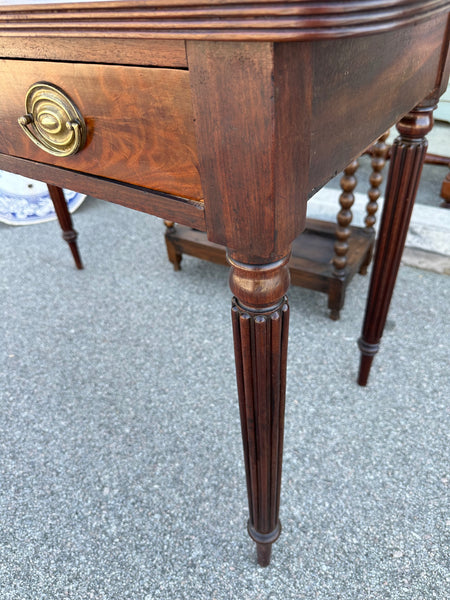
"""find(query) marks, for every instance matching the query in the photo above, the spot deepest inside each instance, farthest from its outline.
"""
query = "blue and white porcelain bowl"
(24, 201)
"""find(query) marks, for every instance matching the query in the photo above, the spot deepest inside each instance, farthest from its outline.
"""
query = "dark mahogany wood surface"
(371, 90)
(185, 211)
(155, 53)
(140, 125)
(258, 136)
(263, 20)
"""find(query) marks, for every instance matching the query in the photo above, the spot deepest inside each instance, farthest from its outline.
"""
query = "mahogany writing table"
(226, 117)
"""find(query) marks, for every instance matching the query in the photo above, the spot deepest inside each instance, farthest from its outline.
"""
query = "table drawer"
(140, 124)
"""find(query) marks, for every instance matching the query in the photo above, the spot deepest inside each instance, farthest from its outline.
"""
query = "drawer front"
(140, 125)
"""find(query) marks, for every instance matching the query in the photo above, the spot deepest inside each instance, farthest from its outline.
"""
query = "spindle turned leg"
(407, 159)
(344, 218)
(65, 220)
(260, 316)
(379, 152)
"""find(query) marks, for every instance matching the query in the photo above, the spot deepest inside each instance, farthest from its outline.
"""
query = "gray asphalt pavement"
(121, 471)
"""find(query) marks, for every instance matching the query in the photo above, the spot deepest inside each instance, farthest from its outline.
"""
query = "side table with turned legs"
(219, 116)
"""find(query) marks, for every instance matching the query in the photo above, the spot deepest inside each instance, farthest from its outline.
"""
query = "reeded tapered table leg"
(407, 159)
(65, 220)
(260, 316)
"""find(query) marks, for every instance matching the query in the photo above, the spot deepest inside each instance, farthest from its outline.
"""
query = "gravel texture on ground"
(121, 471)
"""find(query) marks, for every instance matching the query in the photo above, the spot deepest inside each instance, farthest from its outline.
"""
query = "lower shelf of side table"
(311, 263)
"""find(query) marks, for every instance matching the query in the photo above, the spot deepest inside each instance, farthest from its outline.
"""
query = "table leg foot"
(368, 259)
(445, 191)
(174, 255)
(260, 327)
(363, 269)
(264, 543)
(264, 552)
(336, 297)
(65, 221)
(71, 238)
(368, 352)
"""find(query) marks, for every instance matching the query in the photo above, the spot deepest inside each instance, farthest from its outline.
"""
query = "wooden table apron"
(226, 118)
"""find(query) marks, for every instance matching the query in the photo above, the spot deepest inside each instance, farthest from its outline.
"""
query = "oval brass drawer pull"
(52, 121)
